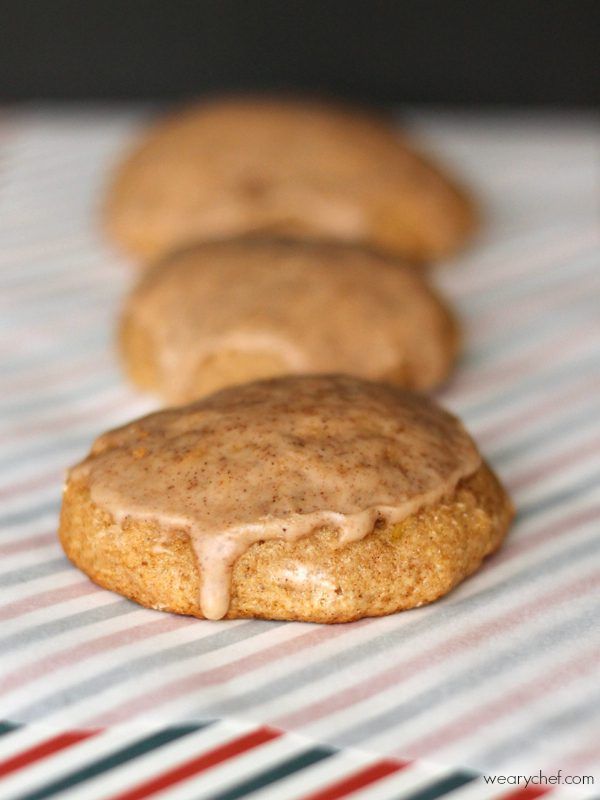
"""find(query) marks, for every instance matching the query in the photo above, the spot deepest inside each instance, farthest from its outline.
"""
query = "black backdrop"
(537, 52)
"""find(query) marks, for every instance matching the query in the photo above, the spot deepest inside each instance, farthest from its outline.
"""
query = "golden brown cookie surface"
(226, 312)
(318, 498)
(295, 168)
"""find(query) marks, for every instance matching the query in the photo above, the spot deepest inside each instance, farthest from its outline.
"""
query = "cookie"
(317, 498)
(225, 312)
(226, 168)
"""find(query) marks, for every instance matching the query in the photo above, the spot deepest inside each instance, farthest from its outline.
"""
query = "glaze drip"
(278, 459)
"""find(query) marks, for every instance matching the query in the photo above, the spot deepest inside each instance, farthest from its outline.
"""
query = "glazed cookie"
(295, 168)
(317, 498)
(226, 312)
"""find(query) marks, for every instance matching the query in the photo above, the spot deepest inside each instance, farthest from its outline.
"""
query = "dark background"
(429, 51)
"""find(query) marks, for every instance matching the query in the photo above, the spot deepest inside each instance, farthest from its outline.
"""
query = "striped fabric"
(105, 699)
(220, 760)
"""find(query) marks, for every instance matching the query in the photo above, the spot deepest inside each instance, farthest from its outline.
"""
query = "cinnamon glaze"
(278, 459)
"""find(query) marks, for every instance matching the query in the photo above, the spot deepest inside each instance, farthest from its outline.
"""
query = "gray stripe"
(48, 490)
(536, 329)
(30, 514)
(58, 305)
(535, 380)
(135, 667)
(55, 395)
(500, 661)
(410, 626)
(60, 157)
(64, 290)
(70, 622)
(70, 446)
(541, 730)
(90, 303)
(17, 576)
(55, 268)
(563, 428)
(557, 498)
(86, 339)
(477, 296)
(488, 295)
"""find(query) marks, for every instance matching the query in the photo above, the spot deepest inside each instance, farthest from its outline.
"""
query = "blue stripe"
(567, 269)
(540, 379)
(87, 342)
(561, 429)
(230, 634)
(17, 576)
(272, 775)
(558, 497)
(48, 398)
(130, 752)
(26, 636)
(544, 326)
(30, 514)
(499, 661)
(8, 727)
(441, 787)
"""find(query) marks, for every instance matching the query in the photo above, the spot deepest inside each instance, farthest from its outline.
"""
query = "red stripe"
(34, 482)
(532, 258)
(203, 762)
(29, 430)
(402, 670)
(544, 301)
(538, 411)
(30, 543)
(45, 375)
(504, 371)
(28, 337)
(532, 475)
(529, 793)
(586, 756)
(218, 675)
(68, 658)
(48, 598)
(547, 533)
(522, 695)
(43, 750)
(365, 777)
